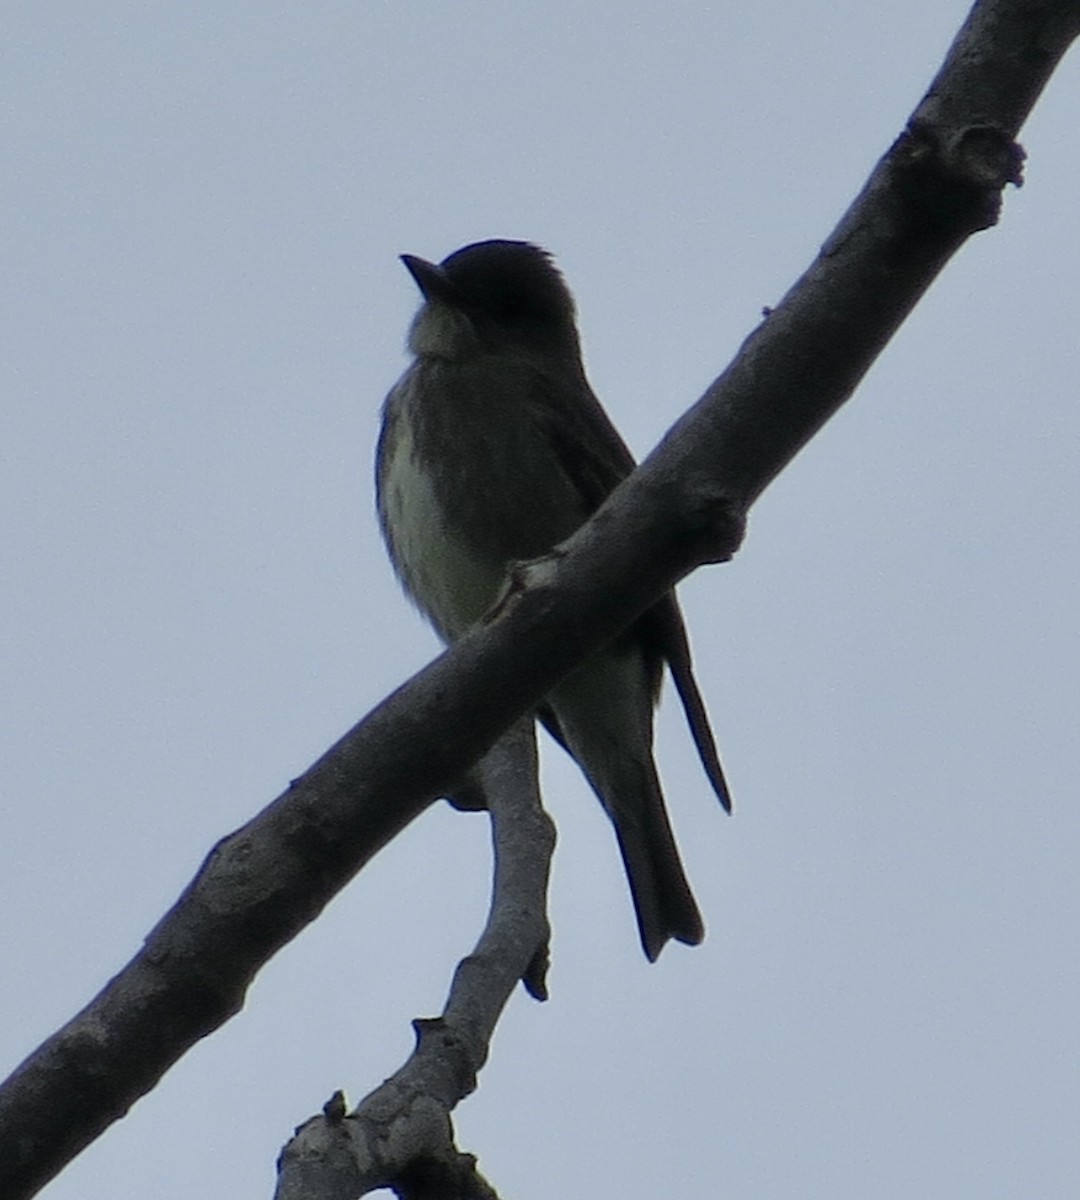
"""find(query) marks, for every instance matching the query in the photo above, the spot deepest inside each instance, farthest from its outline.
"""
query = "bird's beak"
(430, 279)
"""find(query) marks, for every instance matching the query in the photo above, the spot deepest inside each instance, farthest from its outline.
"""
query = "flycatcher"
(495, 449)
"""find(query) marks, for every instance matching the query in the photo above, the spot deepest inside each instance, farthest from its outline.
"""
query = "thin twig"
(401, 1135)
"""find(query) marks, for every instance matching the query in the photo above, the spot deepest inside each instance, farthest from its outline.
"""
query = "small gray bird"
(493, 449)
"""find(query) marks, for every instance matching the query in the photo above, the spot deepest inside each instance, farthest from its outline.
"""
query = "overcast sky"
(202, 311)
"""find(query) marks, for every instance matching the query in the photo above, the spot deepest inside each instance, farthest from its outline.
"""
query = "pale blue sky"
(202, 310)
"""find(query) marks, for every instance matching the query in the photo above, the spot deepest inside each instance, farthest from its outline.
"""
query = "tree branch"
(400, 1136)
(939, 182)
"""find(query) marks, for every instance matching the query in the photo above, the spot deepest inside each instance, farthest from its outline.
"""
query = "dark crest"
(514, 284)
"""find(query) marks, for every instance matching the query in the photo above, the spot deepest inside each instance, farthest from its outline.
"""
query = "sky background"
(202, 311)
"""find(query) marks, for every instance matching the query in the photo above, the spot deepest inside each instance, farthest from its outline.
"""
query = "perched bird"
(494, 448)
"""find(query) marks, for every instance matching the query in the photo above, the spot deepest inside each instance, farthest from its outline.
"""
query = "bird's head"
(492, 296)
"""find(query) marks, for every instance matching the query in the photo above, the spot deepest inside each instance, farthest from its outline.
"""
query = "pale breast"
(451, 584)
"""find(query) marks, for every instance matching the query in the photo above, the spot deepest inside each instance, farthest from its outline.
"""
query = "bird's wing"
(586, 443)
(597, 460)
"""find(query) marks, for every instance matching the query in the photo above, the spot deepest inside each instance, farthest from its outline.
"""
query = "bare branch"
(940, 182)
(400, 1136)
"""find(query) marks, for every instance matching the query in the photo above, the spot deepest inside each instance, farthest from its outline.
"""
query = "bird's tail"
(663, 902)
(602, 714)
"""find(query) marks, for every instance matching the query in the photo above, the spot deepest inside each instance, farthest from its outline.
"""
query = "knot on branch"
(335, 1108)
(713, 521)
(985, 156)
(952, 179)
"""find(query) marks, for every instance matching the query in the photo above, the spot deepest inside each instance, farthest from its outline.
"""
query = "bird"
(493, 448)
